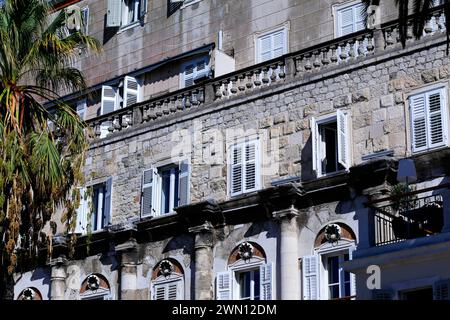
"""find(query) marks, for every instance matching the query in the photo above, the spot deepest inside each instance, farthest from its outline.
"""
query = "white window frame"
(335, 10)
(187, 3)
(257, 38)
(205, 59)
(239, 267)
(319, 148)
(324, 252)
(99, 293)
(125, 10)
(258, 162)
(173, 278)
(443, 87)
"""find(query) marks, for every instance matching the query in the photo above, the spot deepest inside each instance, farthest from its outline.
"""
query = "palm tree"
(420, 11)
(41, 149)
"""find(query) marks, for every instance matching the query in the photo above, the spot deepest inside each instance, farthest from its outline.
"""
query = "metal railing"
(408, 219)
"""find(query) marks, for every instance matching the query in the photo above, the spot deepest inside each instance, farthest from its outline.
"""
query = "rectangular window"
(164, 189)
(271, 45)
(338, 279)
(194, 71)
(350, 19)
(428, 120)
(121, 13)
(248, 284)
(130, 12)
(244, 168)
(95, 201)
(330, 144)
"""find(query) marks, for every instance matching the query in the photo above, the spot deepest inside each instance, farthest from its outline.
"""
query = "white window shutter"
(436, 118)
(148, 192)
(311, 280)
(345, 21)
(359, 17)
(251, 157)
(131, 91)
(314, 146)
(109, 99)
(159, 291)
(201, 69)
(352, 275)
(418, 122)
(184, 183)
(81, 109)
(172, 291)
(82, 212)
(343, 139)
(114, 13)
(265, 48)
(188, 76)
(441, 290)
(266, 274)
(224, 285)
(107, 209)
(236, 181)
(279, 43)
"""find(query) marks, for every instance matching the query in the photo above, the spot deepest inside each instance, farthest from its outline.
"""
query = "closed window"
(428, 113)
(168, 290)
(330, 143)
(349, 19)
(95, 202)
(244, 168)
(271, 45)
(194, 71)
(164, 189)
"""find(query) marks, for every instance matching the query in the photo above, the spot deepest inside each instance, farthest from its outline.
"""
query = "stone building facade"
(267, 180)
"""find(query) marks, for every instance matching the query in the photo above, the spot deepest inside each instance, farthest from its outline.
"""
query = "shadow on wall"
(44, 275)
(306, 161)
(108, 32)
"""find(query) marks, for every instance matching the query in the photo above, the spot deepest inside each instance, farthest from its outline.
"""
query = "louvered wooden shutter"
(81, 109)
(345, 21)
(311, 278)
(251, 164)
(314, 146)
(236, 171)
(418, 123)
(82, 212)
(131, 91)
(266, 274)
(172, 291)
(107, 209)
(265, 48)
(441, 290)
(184, 183)
(114, 13)
(279, 43)
(437, 129)
(223, 286)
(351, 250)
(189, 75)
(159, 292)
(343, 139)
(109, 99)
(148, 192)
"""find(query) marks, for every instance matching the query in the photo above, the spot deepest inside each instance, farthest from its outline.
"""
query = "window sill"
(128, 27)
(189, 4)
(430, 150)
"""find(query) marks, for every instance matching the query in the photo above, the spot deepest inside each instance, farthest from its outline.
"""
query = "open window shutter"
(236, 169)
(81, 109)
(346, 21)
(148, 191)
(436, 121)
(143, 8)
(201, 70)
(265, 48)
(343, 137)
(314, 146)
(108, 205)
(418, 123)
(173, 6)
(131, 91)
(189, 75)
(358, 12)
(441, 290)
(223, 286)
(352, 275)
(380, 294)
(266, 281)
(251, 166)
(82, 212)
(184, 183)
(114, 13)
(109, 99)
(279, 43)
(311, 279)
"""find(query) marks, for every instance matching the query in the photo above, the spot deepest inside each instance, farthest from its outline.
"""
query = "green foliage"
(40, 164)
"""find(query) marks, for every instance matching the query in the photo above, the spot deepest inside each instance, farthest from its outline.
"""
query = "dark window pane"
(334, 291)
(256, 287)
(333, 270)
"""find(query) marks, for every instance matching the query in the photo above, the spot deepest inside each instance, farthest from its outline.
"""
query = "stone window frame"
(286, 26)
(445, 85)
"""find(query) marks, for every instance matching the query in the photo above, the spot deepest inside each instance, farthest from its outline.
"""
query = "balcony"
(338, 55)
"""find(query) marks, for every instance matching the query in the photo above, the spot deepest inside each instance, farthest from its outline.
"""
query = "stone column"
(288, 269)
(58, 279)
(204, 241)
(128, 270)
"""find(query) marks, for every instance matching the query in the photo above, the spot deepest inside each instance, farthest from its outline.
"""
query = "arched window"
(249, 276)
(167, 281)
(30, 293)
(95, 287)
(324, 277)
